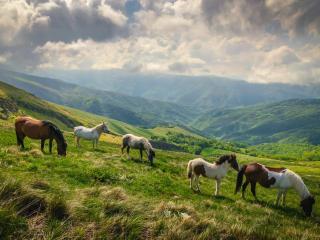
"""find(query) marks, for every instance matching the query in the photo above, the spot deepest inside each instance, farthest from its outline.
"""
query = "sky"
(263, 41)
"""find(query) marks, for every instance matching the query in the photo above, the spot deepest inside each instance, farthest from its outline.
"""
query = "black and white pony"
(141, 143)
(217, 170)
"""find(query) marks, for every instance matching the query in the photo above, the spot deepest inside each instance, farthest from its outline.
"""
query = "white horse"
(90, 133)
(217, 170)
(141, 143)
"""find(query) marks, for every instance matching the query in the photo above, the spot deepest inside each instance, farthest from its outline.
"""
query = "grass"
(97, 194)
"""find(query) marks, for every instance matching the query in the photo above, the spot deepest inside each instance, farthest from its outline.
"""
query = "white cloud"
(257, 40)
(113, 15)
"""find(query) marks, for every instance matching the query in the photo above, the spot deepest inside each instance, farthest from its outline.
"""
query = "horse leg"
(191, 182)
(141, 152)
(253, 190)
(128, 151)
(78, 142)
(50, 145)
(197, 183)
(244, 186)
(93, 141)
(20, 138)
(42, 144)
(284, 194)
(278, 197)
(22, 143)
(122, 148)
(218, 182)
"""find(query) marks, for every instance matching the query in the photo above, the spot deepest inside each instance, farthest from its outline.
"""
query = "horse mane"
(299, 184)
(55, 129)
(223, 158)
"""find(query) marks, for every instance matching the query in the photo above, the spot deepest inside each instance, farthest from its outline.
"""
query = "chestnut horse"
(280, 178)
(37, 129)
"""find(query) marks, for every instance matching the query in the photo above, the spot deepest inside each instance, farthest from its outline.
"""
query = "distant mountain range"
(202, 92)
(290, 121)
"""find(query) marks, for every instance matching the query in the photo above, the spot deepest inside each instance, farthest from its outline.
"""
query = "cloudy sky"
(256, 40)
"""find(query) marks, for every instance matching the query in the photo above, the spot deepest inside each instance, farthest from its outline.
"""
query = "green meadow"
(102, 195)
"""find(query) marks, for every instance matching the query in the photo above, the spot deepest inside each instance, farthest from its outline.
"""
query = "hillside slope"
(14, 101)
(289, 121)
(210, 92)
(133, 110)
(97, 194)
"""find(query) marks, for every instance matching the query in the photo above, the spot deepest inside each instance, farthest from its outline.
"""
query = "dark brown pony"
(280, 178)
(37, 129)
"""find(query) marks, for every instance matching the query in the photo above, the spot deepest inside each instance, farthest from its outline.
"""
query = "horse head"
(105, 128)
(151, 155)
(233, 162)
(307, 205)
(62, 148)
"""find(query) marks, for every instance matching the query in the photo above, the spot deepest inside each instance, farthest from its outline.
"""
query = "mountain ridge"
(294, 120)
(202, 92)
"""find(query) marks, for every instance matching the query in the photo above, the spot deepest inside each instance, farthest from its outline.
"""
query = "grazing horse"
(280, 178)
(90, 133)
(141, 143)
(217, 170)
(38, 129)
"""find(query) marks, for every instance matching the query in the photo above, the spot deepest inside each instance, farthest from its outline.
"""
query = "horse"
(141, 143)
(216, 170)
(281, 178)
(40, 129)
(90, 133)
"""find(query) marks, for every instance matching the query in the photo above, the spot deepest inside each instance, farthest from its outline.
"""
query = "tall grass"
(90, 195)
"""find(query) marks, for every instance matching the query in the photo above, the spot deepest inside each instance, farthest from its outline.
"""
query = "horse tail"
(125, 141)
(189, 169)
(240, 178)
(18, 129)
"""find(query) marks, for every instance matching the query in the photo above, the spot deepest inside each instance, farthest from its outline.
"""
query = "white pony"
(90, 133)
(141, 143)
(217, 170)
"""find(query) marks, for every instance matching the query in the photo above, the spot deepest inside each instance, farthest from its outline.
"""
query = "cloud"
(284, 65)
(27, 24)
(256, 40)
(291, 17)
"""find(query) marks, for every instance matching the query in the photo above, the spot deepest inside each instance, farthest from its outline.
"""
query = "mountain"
(290, 121)
(133, 110)
(208, 92)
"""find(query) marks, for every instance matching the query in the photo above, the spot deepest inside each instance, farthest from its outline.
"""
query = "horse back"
(32, 128)
(256, 172)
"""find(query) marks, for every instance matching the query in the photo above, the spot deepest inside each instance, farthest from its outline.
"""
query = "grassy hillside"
(290, 121)
(14, 102)
(133, 110)
(101, 195)
(286, 151)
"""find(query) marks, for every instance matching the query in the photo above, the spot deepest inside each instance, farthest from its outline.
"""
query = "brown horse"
(37, 129)
(280, 178)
